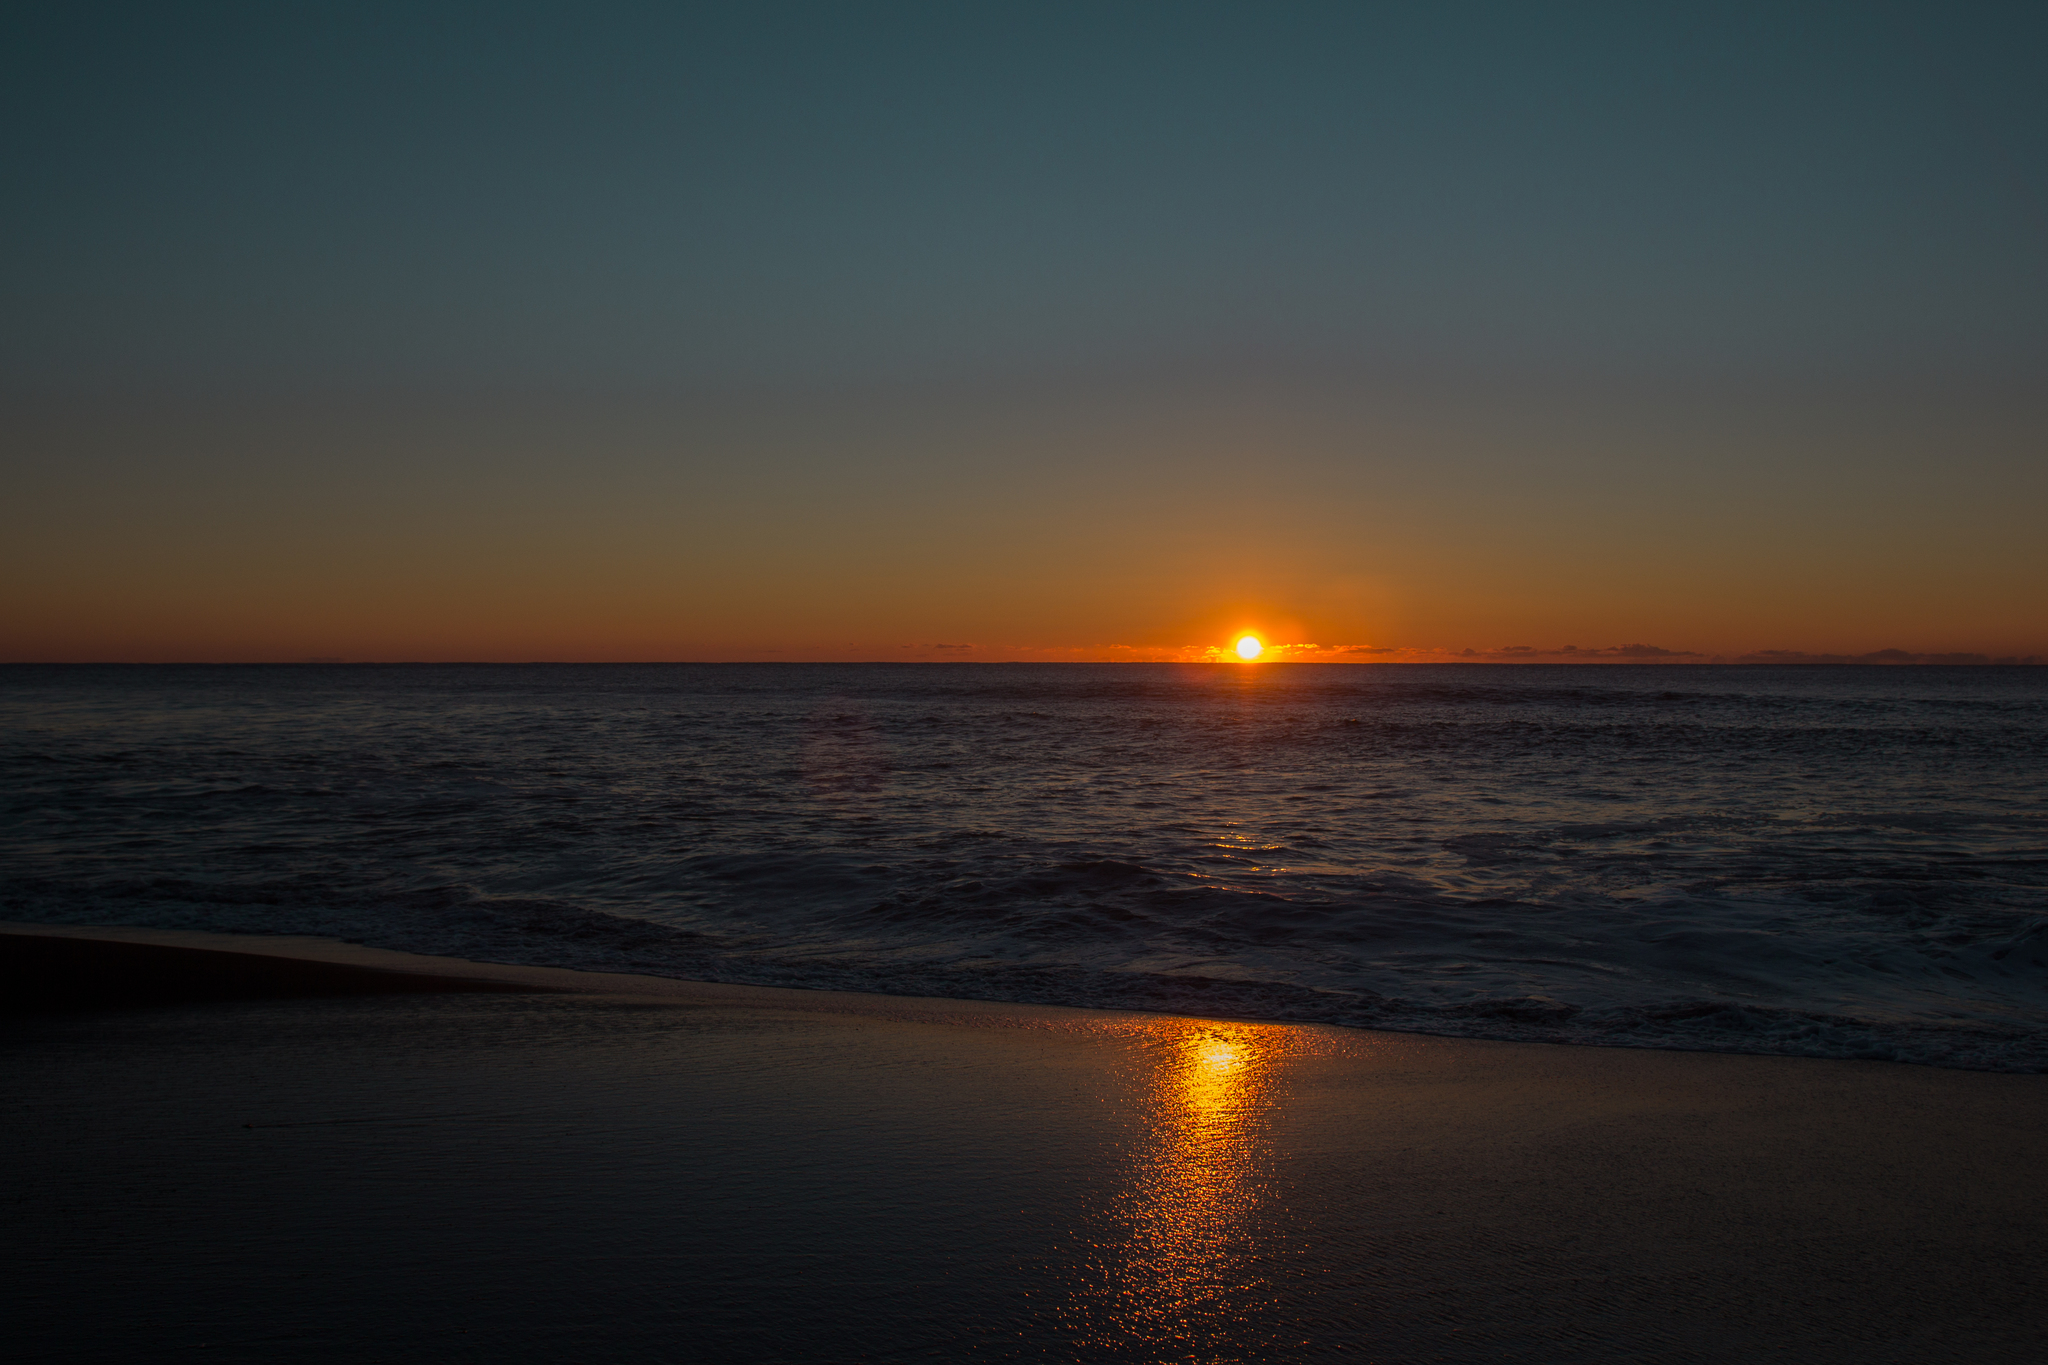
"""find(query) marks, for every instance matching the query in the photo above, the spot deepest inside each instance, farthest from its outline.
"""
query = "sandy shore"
(326, 1153)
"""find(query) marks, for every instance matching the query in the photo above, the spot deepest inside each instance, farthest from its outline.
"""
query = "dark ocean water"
(1839, 862)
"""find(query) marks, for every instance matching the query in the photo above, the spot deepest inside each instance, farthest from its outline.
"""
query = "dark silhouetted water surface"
(1823, 861)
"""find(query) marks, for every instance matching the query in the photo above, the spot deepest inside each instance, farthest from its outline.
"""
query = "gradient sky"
(501, 331)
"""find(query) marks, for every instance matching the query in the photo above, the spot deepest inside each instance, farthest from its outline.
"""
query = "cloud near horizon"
(1274, 652)
(1305, 652)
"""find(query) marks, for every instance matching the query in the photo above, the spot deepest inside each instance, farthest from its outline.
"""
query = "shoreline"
(44, 965)
(406, 1157)
(205, 966)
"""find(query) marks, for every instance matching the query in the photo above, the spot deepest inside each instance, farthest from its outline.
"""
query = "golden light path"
(1249, 648)
(1189, 1267)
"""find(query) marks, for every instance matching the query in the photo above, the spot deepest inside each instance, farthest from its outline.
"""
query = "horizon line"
(1811, 661)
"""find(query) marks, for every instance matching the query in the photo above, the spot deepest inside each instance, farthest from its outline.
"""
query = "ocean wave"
(1805, 862)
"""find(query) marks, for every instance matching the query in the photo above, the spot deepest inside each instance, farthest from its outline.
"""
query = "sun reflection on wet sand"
(1185, 1278)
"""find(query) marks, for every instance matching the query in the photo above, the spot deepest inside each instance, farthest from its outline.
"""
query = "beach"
(382, 1156)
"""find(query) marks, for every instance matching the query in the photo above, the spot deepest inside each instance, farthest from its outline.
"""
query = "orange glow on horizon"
(370, 543)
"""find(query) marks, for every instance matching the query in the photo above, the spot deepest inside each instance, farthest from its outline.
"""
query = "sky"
(1390, 332)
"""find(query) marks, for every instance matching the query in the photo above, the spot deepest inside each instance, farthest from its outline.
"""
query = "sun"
(1249, 648)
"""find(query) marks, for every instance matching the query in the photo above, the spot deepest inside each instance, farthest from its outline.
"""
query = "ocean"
(1822, 861)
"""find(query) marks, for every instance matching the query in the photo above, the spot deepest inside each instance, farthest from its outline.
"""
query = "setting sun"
(1249, 648)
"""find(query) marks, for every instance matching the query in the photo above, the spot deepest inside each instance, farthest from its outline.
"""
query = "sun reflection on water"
(1186, 1273)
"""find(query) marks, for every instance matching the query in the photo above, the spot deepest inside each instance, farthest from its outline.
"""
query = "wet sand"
(326, 1153)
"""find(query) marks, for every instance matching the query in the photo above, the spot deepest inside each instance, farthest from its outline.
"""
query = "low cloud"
(1574, 654)
(1646, 652)
(1882, 656)
(1282, 651)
